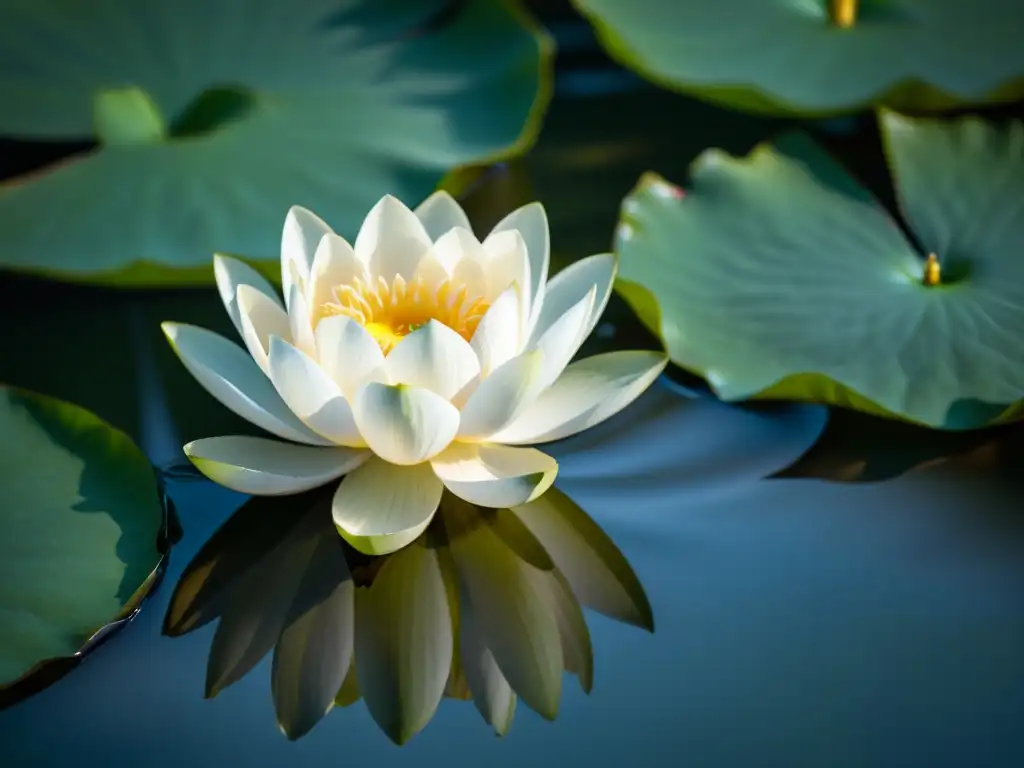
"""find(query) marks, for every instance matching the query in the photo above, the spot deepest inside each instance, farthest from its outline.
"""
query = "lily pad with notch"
(820, 57)
(776, 276)
(82, 536)
(210, 125)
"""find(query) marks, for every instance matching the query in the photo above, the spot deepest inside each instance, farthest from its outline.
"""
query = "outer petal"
(587, 393)
(334, 264)
(312, 395)
(300, 321)
(433, 357)
(501, 397)
(563, 338)
(392, 240)
(441, 212)
(508, 263)
(230, 273)
(572, 284)
(531, 221)
(266, 467)
(403, 424)
(303, 231)
(495, 475)
(498, 337)
(382, 507)
(348, 353)
(228, 373)
(262, 317)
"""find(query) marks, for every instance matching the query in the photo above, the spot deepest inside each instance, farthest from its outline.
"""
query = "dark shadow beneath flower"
(486, 605)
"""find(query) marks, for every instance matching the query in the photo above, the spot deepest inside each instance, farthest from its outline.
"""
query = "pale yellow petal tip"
(544, 481)
(383, 544)
(170, 330)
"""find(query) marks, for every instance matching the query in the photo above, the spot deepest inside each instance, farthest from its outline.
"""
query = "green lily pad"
(80, 519)
(776, 276)
(211, 125)
(786, 56)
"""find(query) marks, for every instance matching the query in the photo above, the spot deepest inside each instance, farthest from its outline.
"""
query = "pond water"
(865, 608)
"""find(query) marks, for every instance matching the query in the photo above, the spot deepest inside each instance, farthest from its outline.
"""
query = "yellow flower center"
(390, 311)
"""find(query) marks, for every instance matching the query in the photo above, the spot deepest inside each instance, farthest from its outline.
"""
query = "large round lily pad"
(776, 276)
(212, 123)
(80, 518)
(814, 57)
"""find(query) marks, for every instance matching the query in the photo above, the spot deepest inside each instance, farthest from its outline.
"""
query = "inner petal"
(390, 310)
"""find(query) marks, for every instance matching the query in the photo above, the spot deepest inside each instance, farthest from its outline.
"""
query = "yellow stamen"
(843, 13)
(932, 270)
(392, 310)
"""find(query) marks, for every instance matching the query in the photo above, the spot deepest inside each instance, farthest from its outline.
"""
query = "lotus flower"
(415, 360)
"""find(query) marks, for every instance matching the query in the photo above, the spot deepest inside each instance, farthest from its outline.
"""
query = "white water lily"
(415, 360)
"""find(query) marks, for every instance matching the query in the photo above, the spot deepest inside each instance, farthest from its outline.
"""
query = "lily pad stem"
(932, 271)
(843, 13)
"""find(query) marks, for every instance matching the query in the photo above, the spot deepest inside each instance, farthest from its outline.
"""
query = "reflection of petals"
(511, 605)
(492, 694)
(403, 642)
(577, 651)
(598, 573)
(313, 654)
(349, 692)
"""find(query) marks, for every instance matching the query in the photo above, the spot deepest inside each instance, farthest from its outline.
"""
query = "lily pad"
(820, 56)
(80, 519)
(775, 276)
(211, 125)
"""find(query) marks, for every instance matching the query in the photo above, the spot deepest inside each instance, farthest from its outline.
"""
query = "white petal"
(562, 339)
(498, 337)
(303, 231)
(392, 240)
(572, 284)
(509, 264)
(495, 476)
(441, 212)
(403, 424)
(300, 322)
(382, 507)
(266, 467)
(228, 373)
(312, 395)
(334, 264)
(348, 353)
(588, 392)
(433, 357)
(531, 221)
(262, 317)
(230, 273)
(500, 397)
(457, 255)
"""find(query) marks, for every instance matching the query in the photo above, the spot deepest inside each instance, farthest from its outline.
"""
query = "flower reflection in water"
(486, 605)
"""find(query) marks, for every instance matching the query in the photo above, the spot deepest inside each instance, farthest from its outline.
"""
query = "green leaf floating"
(820, 56)
(776, 276)
(213, 120)
(80, 518)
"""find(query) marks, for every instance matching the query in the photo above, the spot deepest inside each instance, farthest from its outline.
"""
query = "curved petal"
(300, 321)
(508, 263)
(563, 339)
(230, 273)
(391, 240)
(459, 256)
(496, 476)
(228, 373)
(441, 212)
(498, 337)
(433, 357)
(312, 395)
(403, 424)
(572, 284)
(348, 353)
(499, 398)
(265, 467)
(303, 231)
(588, 392)
(382, 507)
(531, 221)
(261, 318)
(334, 264)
